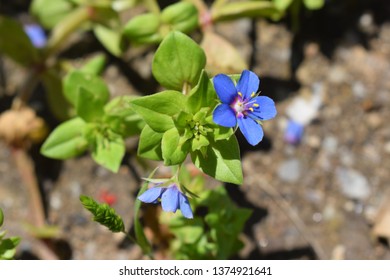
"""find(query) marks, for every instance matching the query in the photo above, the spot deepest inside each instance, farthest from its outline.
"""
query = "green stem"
(66, 27)
(132, 239)
(152, 6)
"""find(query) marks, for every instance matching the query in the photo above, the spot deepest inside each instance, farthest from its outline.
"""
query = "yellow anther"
(239, 93)
(251, 109)
(253, 94)
(255, 105)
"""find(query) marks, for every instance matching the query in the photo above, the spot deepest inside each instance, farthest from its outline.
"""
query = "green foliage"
(99, 126)
(178, 62)
(103, 214)
(15, 43)
(151, 28)
(214, 236)
(49, 12)
(7, 245)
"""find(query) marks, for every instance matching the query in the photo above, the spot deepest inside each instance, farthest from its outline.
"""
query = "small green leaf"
(199, 142)
(282, 4)
(172, 152)
(103, 214)
(58, 104)
(76, 79)
(143, 29)
(50, 12)
(111, 39)
(108, 150)
(178, 61)
(222, 161)
(15, 43)
(121, 118)
(89, 107)
(149, 145)
(8, 248)
(236, 10)
(95, 65)
(314, 4)
(182, 16)
(157, 109)
(66, 140)
(203, 95)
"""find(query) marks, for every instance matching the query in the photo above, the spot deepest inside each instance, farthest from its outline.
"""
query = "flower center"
(242, 106)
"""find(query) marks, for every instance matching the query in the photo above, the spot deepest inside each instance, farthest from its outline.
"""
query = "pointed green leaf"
(66, 141)
(89, 106)
(203, 95)
(149, 145)
(76, 79)
(121, 118)
(222, 161)
(157, 109)
(15, 43)
(50, 12)
(172, 152)
(182, 16)
(108, 151)
(1, 217)
(199, 142)
(178, 61)
(95, 65)
(143, 29)
(111, 39)
(314, 4)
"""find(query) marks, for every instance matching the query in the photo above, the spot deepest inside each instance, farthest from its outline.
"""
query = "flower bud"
(143, 29)
(182, 17)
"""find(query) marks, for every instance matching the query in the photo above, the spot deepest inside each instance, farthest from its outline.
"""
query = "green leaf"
(89, 106)
(77, 79)
(157, 109)
(237, 10)
(111, 39)
(143, 29)
(121, 118)
(95, 65)
(203, 95)
(149, 145)
(15, 43)
(8, 248)
(58, 104)
(103, 214)
(222, 161)
(199, 142)
(108, 150)
(178, 61)
(314, 4)
(182, 16)
(282, 4)
(172, 152)
(50, 12)
(66, 141)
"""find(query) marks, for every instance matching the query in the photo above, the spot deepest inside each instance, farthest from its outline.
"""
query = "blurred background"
(318, 183)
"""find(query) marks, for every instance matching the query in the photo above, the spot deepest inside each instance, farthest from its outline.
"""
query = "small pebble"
(290, 170)
(352, 183)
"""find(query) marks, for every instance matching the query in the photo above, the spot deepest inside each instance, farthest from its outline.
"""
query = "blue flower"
(171, 199)
(36, 34)
(241, 105)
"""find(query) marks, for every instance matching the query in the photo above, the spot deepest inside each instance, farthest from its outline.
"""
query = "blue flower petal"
(252, 131)
(151, 195)
(266, 109)
(185, 206)
(225, 88)
(224, 116)
(170, 199)
(248, 83)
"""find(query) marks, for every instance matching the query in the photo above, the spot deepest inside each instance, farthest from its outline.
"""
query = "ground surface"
(323, 197)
